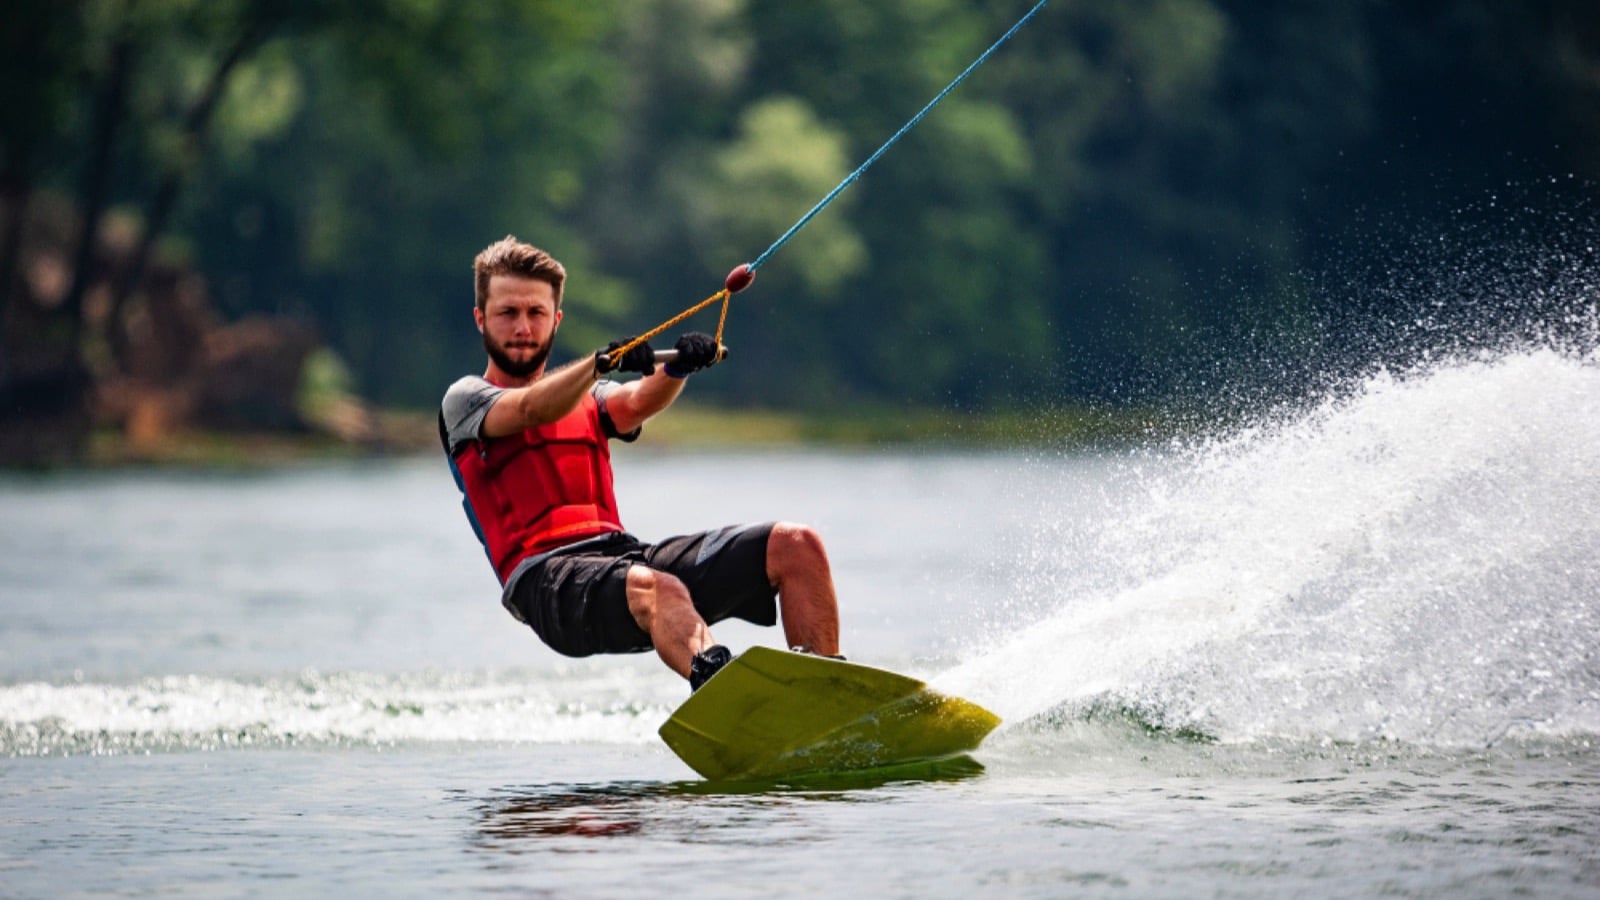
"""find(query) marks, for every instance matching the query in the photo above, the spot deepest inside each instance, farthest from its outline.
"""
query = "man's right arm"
(552, 396)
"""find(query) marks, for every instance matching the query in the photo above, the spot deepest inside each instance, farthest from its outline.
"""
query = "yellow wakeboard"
(771, 713)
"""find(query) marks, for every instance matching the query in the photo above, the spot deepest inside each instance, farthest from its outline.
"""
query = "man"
(529, 452)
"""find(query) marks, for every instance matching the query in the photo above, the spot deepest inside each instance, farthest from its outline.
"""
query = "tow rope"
(744, 273)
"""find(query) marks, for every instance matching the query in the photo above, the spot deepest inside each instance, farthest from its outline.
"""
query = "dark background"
(1128, 200)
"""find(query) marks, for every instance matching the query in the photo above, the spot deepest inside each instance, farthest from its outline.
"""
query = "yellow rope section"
(723, 319)
(724, 295)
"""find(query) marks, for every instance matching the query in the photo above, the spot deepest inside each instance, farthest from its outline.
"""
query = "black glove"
(696, 350)
(640, 359)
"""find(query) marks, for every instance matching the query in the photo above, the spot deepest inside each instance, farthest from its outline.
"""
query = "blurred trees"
(1115, 181)
(270, 144)
(416, 140)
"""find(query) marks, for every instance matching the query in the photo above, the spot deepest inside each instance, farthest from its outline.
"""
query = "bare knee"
(651, 592)
(791, 548)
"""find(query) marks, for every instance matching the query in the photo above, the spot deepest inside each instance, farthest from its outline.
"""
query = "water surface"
(1349, 652)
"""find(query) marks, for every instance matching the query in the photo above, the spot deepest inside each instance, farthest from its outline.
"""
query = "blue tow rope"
(850, 179)
(744, 273)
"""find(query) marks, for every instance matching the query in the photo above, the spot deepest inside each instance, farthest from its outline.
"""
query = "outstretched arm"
(546, 400)
(555, 394)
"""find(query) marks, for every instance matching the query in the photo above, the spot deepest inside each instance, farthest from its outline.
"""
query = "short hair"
(509, 256)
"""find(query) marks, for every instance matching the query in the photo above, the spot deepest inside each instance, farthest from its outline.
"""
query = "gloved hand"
(696, 350)
(640, 359)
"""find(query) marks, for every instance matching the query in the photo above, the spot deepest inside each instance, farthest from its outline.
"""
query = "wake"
(580, 704)
(1415, 559)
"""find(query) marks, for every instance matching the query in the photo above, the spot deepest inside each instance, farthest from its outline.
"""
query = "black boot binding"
(707, 663)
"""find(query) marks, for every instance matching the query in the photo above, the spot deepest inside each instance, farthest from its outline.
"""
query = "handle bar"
(662, 357)
(665, 356)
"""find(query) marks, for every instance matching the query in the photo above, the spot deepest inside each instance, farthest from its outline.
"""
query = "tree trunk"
(45, 404)
(95, 187)
(14, 198)
(195, 126)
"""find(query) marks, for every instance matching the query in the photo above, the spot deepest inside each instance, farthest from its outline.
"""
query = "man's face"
(518, 322)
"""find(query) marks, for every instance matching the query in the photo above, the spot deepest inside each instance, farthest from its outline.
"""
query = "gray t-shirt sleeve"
(465, 404)
(601, 390)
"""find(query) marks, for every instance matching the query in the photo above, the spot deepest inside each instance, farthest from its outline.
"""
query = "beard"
(512, 367)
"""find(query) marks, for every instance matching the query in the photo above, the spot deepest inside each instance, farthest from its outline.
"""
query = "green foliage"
(40, 47)
(781, 160)
(325, 382)
(420, 138)
(1118, 178)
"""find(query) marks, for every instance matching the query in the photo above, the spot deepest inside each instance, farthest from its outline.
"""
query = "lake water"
(1351, 652)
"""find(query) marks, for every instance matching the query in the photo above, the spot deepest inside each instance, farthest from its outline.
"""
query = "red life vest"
(543, 488)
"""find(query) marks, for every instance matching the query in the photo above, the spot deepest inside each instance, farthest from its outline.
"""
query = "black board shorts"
(576, 598)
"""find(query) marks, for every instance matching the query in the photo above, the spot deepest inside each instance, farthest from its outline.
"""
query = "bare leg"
(798, 565)
(660, 603)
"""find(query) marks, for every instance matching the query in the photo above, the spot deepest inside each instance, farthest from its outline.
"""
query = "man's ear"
(477, 316)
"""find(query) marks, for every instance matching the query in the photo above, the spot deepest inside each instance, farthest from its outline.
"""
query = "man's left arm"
(630, 404)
